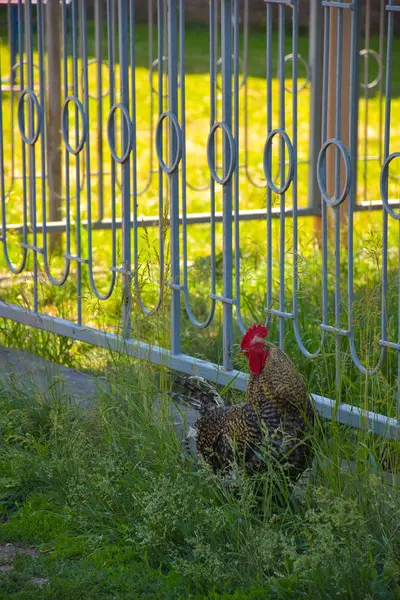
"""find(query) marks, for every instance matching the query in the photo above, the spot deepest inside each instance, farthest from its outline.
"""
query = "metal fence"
(77, 157)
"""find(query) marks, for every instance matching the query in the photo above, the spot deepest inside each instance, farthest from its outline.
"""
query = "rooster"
(278, 395)
(277, 413)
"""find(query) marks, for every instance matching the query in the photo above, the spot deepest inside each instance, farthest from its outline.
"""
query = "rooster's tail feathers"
(201, 393)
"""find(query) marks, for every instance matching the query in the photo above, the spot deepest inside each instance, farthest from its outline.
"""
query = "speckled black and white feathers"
(280, 398)
(201, 393)
(222, 433)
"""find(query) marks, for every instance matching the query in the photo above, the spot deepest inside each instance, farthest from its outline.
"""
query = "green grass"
(116, 511)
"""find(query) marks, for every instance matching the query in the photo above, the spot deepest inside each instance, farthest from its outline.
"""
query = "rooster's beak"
(240, 351)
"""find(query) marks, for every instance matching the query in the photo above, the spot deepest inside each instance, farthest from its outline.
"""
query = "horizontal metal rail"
(327, 408)
(197, 219)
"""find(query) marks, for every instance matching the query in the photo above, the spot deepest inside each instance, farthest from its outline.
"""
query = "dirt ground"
(8, 554)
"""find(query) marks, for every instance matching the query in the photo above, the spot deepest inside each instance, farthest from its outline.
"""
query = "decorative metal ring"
(384, 184)
(267, 159)
(110, 124)
(210, 151)
(152, 69)
(21, 120)
(308, 76)
(321, 164)
(178, 132)
(17, 65)
(94, 61)
(374, 82)
(219, 63)
(64, 124)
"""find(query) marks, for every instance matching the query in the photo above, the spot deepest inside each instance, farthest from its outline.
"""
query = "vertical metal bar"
(245, 81)
(23, 147)
(13, 37)
(226, 43)
(21, 267)
(43, 161)
(31, 152)
(126, 195)
(182, 54)
(64, 27)
(135, 192)
(353, 152)
(134, 134)
(295, 34)
(213, 109)
(3, 235)
(386, 152)
(216, 47)
(54, 117)
(172, 28)
(324, 136)
(213, 100)
(2, 182)
(366, 94)
(98, 21)
(269, 129)
(336, 210)
(315, 62)
(381, 81)
(295, 47)
(160, 72)
(111, 87)
(75, 59)
(164, 49)
(281, 71)
(344, 17)
(246, 90)
(150, 42)
(86, 105)
(236, 50)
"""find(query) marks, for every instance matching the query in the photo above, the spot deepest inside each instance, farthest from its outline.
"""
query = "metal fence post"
(31, 152)
(172, 27)
(226, 45)
(13, 26)
(98, 20)
(315, 62)
(126, 195)
(54, 151)
(344, 82)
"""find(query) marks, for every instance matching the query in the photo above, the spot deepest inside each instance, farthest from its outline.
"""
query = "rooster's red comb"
(256, 330)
